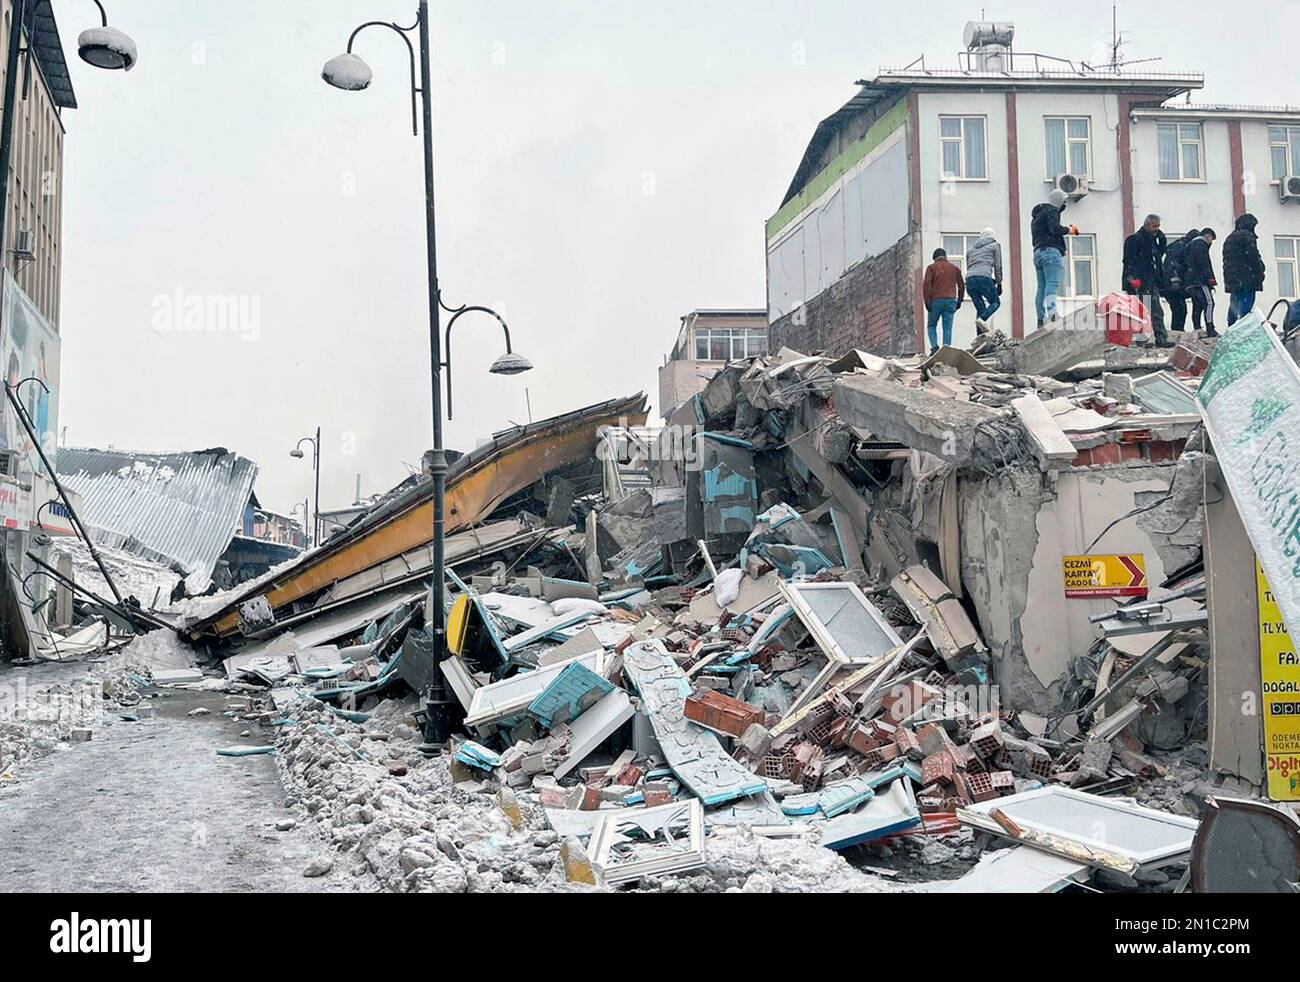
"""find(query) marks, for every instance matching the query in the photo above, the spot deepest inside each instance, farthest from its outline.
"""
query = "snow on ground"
(41, 706)
(422, 833)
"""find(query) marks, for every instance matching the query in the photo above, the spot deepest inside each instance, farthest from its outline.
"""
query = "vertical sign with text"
(1280, 690)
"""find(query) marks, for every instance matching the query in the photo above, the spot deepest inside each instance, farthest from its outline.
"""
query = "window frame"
(1178, 124)
(1292, 165)
(944, 176)
(1067, 266)
(1086, 141)
(1292, 261)
(967, 239)
(734, 336)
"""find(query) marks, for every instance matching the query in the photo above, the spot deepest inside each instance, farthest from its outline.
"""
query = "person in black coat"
(1143, 275)
(1175, 278)
(1243, 268)
(1200, 281)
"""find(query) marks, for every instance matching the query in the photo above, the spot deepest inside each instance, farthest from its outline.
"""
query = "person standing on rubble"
(1243, 268)
(943, 290)
(1143, 275)
(1048, 235)
(1200, 281)
(1175, 279)
(984, 278)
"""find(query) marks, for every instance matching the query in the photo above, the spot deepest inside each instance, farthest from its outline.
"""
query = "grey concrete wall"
(1236, 726)
(1016, 529)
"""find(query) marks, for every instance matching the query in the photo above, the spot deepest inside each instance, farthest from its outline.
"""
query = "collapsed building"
(853, 602)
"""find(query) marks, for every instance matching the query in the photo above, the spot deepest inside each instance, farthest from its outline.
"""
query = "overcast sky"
(603, 167)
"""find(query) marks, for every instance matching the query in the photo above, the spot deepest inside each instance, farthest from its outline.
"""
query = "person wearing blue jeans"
(1240, 304)
(984, 278)
(1243, 267)
(1048, 236)
(1047, 264)
(943, 290)
(945, 310)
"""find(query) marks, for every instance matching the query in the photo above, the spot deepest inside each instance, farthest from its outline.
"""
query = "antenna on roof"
(1118, 39)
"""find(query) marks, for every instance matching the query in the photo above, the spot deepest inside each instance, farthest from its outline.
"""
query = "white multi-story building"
(925, 158)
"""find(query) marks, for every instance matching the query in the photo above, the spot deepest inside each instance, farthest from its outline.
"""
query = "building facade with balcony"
(922, 158)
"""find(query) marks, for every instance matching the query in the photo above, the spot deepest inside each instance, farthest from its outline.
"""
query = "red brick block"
(722, 713)
(938, 769)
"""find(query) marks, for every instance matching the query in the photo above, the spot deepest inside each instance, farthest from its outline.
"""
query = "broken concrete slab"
(694, 754)
(1051, 446)
(942, 427)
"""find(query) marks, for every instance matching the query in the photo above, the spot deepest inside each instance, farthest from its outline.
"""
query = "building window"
(1182, 152)
(1069, 145)
(965, 150)
(1079, 270)
(729, 345)
(1284, 148)
(957, 244)
(1287, 248)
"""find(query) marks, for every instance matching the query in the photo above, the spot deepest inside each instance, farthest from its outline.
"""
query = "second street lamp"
(350, 73)
(297, 454)
(107, 47)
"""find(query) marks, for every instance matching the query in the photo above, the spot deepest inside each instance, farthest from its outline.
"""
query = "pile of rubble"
(846, 606)
(896, 621)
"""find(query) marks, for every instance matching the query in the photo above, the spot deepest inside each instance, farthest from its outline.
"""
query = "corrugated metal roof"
(171, 507)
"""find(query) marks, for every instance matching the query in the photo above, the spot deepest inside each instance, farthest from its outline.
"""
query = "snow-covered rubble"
(393, 813)
(149, 582)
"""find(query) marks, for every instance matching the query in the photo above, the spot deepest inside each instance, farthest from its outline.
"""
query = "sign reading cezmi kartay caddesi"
(1090, 577)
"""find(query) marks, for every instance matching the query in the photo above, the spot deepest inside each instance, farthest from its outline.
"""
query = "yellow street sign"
(1091, 577)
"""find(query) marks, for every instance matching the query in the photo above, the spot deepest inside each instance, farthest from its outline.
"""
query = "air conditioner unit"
(25, 244)
(1075, 187)
(1288, 188)
(8, 463)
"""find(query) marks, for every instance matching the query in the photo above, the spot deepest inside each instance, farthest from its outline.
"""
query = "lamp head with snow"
(511, 364)
(297, 454)
(107, 47)
(347, 72)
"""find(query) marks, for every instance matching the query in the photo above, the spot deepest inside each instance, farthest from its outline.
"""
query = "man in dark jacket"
(1049, 251)
(1143, 275)
(1200, 281)
(1175, 278)
(1243, 268)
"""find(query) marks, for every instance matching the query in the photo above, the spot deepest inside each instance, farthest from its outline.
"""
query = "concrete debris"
(866, 606)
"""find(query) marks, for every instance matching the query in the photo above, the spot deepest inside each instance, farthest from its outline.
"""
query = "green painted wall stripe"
(880, 130)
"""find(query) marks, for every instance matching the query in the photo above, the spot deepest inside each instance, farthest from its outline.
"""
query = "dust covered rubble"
(419, 832)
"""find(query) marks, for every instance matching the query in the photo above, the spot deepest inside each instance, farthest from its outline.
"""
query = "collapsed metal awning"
(477, 485)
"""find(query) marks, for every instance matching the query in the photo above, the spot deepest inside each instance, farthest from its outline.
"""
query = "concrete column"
(1236, 737)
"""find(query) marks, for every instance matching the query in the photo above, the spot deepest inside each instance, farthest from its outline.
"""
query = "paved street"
(149, 807)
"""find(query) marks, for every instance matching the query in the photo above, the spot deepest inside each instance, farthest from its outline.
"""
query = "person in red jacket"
(943, 290)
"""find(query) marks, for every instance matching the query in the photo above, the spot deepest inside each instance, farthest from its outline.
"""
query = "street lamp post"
(306, 517)
(297, 454)
(350, 73)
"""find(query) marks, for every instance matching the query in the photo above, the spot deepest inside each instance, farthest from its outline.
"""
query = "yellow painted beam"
(471, 497)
